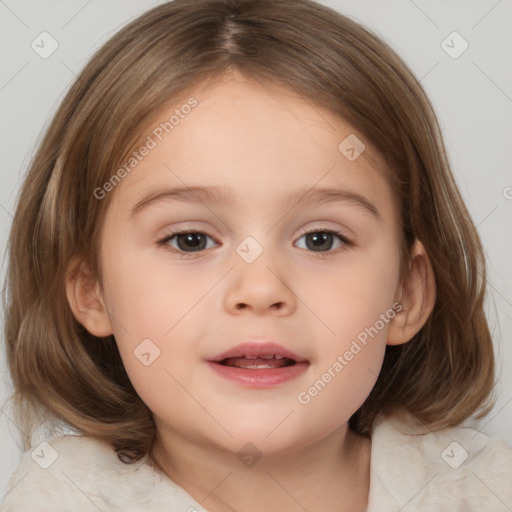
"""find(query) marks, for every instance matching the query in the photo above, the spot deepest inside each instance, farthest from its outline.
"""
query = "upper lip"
(258, 349)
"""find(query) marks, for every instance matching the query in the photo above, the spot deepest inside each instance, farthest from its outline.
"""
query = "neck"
(331, 474)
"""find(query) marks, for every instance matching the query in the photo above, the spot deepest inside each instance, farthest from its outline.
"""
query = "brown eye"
(187, 241)
(323, 240)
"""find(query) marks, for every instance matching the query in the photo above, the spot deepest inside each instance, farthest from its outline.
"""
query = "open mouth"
(259, 365)
(255, 363)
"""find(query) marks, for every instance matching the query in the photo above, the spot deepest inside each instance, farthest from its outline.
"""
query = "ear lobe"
(417, 294)
(85, 298)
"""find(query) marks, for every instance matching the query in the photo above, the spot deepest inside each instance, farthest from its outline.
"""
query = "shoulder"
(77, 473)
(54, 469)
(455, 467)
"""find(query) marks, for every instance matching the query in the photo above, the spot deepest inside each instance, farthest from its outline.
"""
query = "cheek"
(153, 316)
(353, 296)
(146, 295)
(357, 304)
(342, 381)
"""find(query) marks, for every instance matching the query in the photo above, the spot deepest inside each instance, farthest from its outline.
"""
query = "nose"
(259, 287)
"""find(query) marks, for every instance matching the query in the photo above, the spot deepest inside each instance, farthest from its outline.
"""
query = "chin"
(270, 438)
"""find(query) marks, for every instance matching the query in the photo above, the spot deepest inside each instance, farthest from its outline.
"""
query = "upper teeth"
(264, 357)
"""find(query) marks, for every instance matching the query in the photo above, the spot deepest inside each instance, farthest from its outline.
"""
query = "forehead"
(257, 139)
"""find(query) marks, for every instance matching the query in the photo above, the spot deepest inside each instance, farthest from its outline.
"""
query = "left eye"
(318, 241)
(322, 240)
(196, 241)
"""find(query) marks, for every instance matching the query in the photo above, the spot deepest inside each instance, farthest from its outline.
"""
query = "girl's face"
(250, 272)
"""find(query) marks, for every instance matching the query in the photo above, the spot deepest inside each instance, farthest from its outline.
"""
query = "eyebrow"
(216, 195)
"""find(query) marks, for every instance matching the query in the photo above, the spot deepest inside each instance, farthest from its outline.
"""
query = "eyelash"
(184, 255)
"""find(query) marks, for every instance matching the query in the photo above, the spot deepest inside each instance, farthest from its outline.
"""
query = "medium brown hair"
(444, 375)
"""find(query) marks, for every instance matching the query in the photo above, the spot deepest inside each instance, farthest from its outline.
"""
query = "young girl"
(242, 278)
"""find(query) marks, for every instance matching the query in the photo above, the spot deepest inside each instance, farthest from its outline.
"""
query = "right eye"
(186, 241)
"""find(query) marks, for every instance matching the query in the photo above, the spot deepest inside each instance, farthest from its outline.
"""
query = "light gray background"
(472, 95)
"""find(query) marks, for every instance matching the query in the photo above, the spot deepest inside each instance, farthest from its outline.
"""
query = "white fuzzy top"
(455, 470)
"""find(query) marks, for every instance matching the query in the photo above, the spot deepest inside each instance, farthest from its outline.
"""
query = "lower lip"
(262, 378)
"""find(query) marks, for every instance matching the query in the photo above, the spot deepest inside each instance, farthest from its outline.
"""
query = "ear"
(85, 298)
(417, 294)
